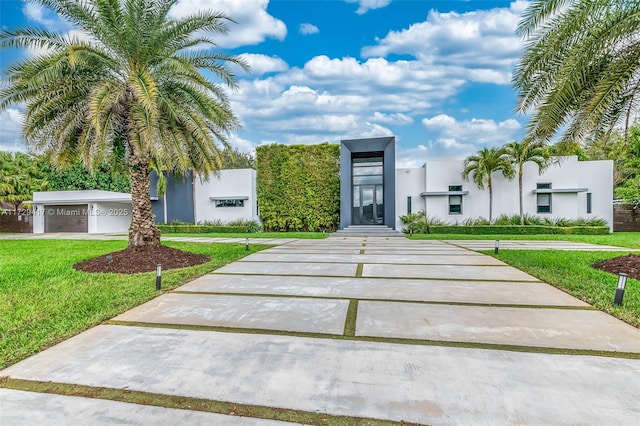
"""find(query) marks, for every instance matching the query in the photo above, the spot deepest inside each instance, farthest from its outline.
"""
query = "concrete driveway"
(388, 330)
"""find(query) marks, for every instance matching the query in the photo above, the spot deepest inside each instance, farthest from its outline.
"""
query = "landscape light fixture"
(246, 244)
(158, 276)
(622, 283)
(109, 258)
(497, 246)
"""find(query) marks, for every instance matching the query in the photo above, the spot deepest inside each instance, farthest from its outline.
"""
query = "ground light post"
(622, 283)
(158, 276)
(496, 247)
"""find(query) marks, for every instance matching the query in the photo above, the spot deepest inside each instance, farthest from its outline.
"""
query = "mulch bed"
(129, 261)
(629, 264)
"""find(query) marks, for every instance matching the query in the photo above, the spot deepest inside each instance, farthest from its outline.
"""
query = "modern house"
(372, 192)
(91, 211)
(568, 189)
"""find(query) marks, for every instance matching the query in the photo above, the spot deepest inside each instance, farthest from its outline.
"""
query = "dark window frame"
(229, 203)
(589, 203)
(455, 208)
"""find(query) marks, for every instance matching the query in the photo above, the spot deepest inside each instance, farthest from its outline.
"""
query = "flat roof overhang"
(559, 190)
(441, 193)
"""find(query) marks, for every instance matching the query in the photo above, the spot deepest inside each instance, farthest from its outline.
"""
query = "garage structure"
(91, 211)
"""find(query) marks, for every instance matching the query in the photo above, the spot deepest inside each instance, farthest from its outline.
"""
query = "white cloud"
(11, 121)
(254, 24)
(307, 29)
(482, 43)
(394, 118)
(365, 5)
(241, 144)
(37, 13)
(262, 64)
(411, 157)
(452, 137)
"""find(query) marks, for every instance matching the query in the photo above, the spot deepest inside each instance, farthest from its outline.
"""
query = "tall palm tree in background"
(518, 153)
(482, 165)
(133, 78)
(580, 71)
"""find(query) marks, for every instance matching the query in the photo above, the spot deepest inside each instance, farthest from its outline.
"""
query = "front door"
(368, 208)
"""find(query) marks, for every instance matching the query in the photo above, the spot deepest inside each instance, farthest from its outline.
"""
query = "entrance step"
(367, 231)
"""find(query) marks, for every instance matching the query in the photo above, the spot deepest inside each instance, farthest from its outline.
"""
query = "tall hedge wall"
(299, 186)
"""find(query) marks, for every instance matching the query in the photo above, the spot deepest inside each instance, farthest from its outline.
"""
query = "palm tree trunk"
(143, 232)
(520, 194)
(490, 201)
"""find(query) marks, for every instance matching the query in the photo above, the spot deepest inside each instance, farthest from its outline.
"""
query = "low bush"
(419, 223)
(200, 229)
(518, 230)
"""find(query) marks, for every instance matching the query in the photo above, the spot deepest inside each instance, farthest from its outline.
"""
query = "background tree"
(234, 159)
(482, 165)
(519, 153)
(135, 79)
(19, 178)
(79, 177)
(580, 71)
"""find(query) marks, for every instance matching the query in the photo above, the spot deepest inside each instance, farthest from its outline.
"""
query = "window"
(456, 188)
(588, 202)
(408, 205)
(229, 203)
(455, 204)
(543, 201)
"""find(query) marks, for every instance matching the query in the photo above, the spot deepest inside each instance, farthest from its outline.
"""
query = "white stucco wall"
(106, 209)
(38, 218)
(409, 183)
(109, 217)
(568, 173)
(236, 183)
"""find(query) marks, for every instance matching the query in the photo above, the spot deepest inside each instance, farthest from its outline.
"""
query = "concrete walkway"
(386, 329)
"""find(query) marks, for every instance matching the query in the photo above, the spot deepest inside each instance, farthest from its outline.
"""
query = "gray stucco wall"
(350, 146)
(179, 196)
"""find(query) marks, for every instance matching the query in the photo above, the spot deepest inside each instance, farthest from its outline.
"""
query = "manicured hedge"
(197, 229)
(518, 230)
(299, 186)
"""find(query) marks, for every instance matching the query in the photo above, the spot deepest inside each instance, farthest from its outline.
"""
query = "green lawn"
(620, 239)
(43, 300)
(300, 235)
(571, 271)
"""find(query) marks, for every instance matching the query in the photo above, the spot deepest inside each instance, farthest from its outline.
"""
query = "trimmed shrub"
(299, 186)
(518, 230)
(200, 229)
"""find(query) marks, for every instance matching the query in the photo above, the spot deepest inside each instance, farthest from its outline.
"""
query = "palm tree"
(482, 165)
(580, 71)
(133, 79)
(19, 178)
(518, 153)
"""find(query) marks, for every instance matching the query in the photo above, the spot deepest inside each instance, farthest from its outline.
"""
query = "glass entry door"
(370, 208)
(368, 202)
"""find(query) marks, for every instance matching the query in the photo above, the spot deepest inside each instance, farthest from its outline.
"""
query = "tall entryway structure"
(367, 182)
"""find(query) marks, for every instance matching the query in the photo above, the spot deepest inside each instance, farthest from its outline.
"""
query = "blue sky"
(436, 74)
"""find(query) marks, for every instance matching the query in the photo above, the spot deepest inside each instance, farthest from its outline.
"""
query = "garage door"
(66, 218)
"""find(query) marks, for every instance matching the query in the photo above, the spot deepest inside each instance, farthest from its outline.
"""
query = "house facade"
(225, 196)
(372, 192)
(568, 189)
